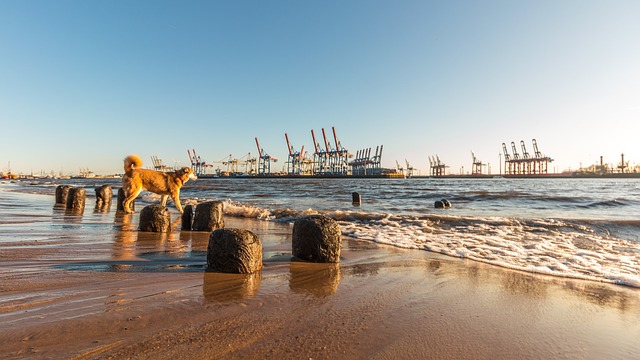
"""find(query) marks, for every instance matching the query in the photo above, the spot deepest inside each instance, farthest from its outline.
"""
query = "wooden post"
(187, 218)
(155, 218)
(208, 216)
(120, 200)
(76, 199)
(104, 196)
(62, 192)
(317, 238)
(236, 251)
(355, 198)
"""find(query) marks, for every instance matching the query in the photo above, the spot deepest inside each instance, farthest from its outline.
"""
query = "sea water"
(571, 227)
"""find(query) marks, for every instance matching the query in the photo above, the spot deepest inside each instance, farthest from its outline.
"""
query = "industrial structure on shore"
(328, 160)
(525, 164)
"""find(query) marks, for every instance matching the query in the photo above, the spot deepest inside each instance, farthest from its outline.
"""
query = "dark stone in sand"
(120, 200)
(104, 196)
(62, 191)
(155, 218)
(76, 199)
(208, 216)
(187, 218)
(236, 251)
(355, 198)
(317, 238)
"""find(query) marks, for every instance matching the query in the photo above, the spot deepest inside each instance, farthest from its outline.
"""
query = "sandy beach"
(90, 286)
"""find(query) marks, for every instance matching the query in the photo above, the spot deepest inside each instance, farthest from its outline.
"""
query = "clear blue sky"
(84, 83)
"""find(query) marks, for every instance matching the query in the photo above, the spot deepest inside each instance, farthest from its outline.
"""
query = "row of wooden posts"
(315, 238)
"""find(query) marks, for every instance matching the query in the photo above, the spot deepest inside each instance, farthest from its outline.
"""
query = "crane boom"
(288, 144)
(536, 152)
(525, 154)
(326, 143)
(507, 157)
(315, 144)
(515, 152)
(259, 149)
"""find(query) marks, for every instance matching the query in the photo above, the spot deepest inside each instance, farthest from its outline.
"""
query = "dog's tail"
(131, 162)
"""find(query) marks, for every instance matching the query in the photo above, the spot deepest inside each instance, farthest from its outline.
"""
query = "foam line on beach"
(563, 248)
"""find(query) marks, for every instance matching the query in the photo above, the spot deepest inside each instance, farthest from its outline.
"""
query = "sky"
(84, 83)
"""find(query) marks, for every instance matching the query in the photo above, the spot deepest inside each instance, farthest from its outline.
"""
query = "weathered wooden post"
(355, 199)
(155, 218)
(120, 200)
(208, 216)
(236, 251)
(62, 191)
(317, 238)
(187, 218)
(104, 196)
(76, 199)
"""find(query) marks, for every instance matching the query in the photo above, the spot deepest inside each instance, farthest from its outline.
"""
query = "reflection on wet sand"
(102, 207)
(129, 243)
(532, 286)
(124, 237)
(222, 287)
(316, 279)
(69, 216)
(604, 294)
(518, 283)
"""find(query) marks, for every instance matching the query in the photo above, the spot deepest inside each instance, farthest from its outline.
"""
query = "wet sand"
(89, 286)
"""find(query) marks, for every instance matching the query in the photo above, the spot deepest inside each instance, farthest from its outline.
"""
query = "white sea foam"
(542, 246)
(546, 246)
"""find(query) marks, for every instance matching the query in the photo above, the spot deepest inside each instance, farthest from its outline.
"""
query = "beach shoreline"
(89, 285)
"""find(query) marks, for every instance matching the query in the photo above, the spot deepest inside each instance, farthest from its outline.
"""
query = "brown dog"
(166, 184)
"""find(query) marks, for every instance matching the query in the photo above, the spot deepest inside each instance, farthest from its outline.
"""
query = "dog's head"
(186, 173)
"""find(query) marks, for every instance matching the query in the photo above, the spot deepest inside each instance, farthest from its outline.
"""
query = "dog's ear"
(184, 170)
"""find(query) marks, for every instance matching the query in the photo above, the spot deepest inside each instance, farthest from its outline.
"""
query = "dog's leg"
(126, 204)
(164, 200)
(176, 200)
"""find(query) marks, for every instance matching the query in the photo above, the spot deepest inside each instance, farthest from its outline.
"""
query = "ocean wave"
(604, 251)
(479, 195)
(546, 246)
(606, 203)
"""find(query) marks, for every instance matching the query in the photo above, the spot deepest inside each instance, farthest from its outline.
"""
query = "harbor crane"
(409, 169)
(508, 164)
(264, 160)
(476, 166)
(248, 163)
(526, 164)
(365, 164)
(297, 162)
(158, 165)
(526, 159)
(330, 161)
(197, 163)
(437, 167)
